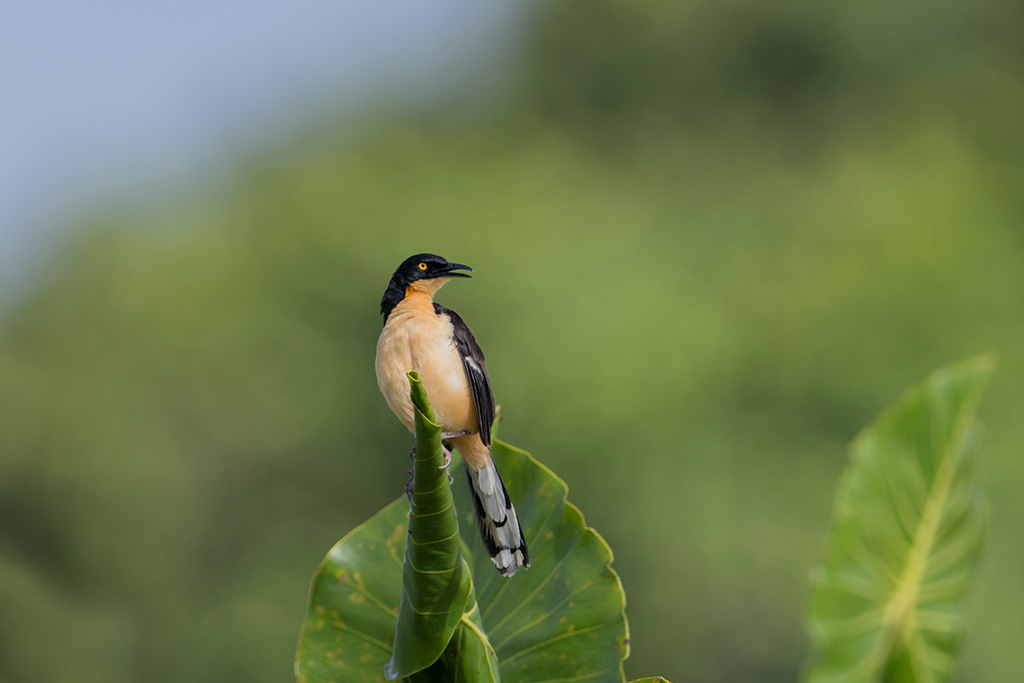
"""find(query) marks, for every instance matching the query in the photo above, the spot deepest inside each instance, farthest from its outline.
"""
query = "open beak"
(452, 267)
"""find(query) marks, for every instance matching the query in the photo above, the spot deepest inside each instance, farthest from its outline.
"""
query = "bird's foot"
(451, 435)
(412, 453)
(408, 486)
(447, 459)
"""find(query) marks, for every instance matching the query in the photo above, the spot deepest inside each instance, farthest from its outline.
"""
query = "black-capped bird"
(433, 340)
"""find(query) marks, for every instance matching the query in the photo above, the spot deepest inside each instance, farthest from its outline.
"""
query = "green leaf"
(381, 606)
(910, 525)
(350, 627)
(564, 618)
(475, 660)
(350, 630)
(478, 662)
(435, 587)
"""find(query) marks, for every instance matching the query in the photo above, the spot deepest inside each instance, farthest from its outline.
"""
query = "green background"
(712, 240)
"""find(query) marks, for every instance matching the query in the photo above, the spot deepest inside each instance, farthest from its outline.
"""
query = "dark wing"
(476, 371)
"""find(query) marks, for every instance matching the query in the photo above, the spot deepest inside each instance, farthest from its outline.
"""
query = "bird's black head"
(426, 267)
(417, 267)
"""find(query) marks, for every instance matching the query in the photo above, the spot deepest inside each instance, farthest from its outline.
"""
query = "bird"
(423, 336)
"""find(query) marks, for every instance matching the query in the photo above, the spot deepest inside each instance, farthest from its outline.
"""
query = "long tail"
(499, 525)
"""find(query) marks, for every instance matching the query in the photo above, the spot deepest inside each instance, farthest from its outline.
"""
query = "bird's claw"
(447, 459)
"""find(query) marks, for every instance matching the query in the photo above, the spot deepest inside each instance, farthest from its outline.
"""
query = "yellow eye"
(423, 266)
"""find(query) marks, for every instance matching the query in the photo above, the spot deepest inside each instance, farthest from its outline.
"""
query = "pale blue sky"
(101, 100)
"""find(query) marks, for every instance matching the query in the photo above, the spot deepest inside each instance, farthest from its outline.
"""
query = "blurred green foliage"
(711, 240)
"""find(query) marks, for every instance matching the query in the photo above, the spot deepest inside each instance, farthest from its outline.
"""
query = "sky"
(102, 100)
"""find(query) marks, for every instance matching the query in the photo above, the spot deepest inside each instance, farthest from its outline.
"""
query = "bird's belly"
(426, 347)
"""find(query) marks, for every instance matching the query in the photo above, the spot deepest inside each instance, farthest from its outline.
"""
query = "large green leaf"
(350, 630)
(910, 524)
(353, 606)
(564, 617)
(390, 595)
